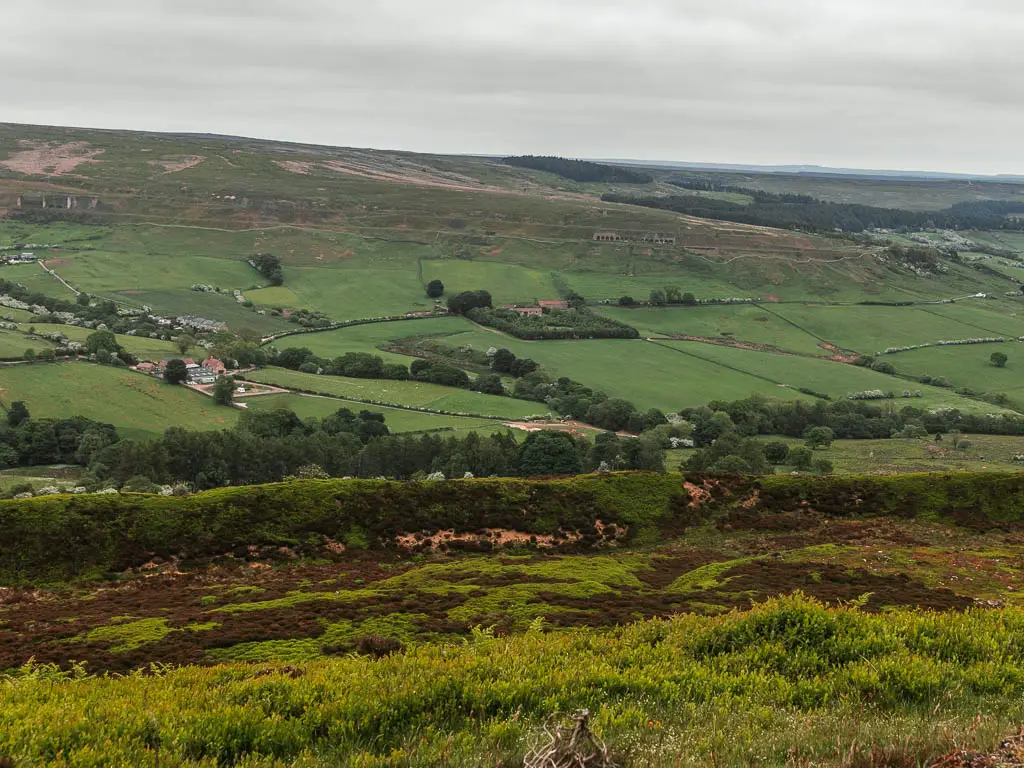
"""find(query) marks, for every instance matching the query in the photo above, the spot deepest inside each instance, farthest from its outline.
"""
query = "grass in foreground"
(788, 683)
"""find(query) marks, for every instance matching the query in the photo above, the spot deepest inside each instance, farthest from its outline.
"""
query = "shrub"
(822, 466)
(801, 458)
(776, 452)
(378, 646)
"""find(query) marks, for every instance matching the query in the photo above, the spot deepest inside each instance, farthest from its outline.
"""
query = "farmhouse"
(526, 311)
(214, 365)
(550, 305)
(145, 367)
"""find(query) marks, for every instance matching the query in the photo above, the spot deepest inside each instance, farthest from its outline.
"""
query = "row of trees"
(270, 446)
(734, 454)
(578, 323)
(580, 170)
(848, 419)
(25, 441)
(807, 213)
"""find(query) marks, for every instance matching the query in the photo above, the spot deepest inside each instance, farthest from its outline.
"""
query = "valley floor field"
(139, 405)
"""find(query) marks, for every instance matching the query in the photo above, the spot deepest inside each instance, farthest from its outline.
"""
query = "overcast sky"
(908, 84)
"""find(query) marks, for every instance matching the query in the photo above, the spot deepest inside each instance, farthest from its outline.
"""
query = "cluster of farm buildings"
(18, 258)
(205, 372)
(540, 309)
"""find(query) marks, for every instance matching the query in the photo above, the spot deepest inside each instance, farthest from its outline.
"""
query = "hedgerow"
(54, 538)
(62, 537)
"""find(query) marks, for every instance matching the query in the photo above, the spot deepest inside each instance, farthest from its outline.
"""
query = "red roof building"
(553, 304)
(214, 365)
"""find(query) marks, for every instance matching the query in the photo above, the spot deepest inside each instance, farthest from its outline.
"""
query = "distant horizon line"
(793, 169)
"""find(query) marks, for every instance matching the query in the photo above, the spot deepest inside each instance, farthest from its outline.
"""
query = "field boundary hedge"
(62, 537)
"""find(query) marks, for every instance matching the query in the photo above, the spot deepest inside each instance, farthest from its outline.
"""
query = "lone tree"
(184, 343)
(998, 359)
(435, 289)
(801, 458)
(776, 452)
(819, 437)
(503, 360)
(224, 391)
(175, 372)
(18, 414)
(268, 265)
(102, 341)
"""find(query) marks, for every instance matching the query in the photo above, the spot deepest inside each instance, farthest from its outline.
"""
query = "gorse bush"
(97, 534)
(788, 675)
(56, 538)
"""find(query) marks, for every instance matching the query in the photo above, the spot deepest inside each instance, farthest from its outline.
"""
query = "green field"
(872, 329)
(13, 344)
(742, 323)
(650, 376)
(120, 274)
(139, 406)
(142, 347)
(829, 377)
(966, 366)
(351, 293)
(367, 338)
(398, 420)
(412, 393)
(507, 283)
(34, 278)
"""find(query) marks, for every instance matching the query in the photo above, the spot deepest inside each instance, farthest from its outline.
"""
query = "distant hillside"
(580, 170)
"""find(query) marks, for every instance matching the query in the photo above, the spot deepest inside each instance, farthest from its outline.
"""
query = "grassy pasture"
(142, 347)
(507, 283)
(649, 375)
(14, 344)
(35, 279)
(213, 306)
(872, 329)
(110, 274)
(966, 366)
(413, 393)
(832, 378)
(140, 406)
(986, 453)
(739, 323)
(15, 234)
(1002, 317)
(398, 420)
(15, 315)
(351, 293)
(366, 338)
(275, 296)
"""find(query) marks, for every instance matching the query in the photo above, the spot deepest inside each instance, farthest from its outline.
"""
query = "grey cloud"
(879, 83)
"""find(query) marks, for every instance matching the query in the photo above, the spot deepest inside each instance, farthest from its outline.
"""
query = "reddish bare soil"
(174, 163)
(50, 158)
